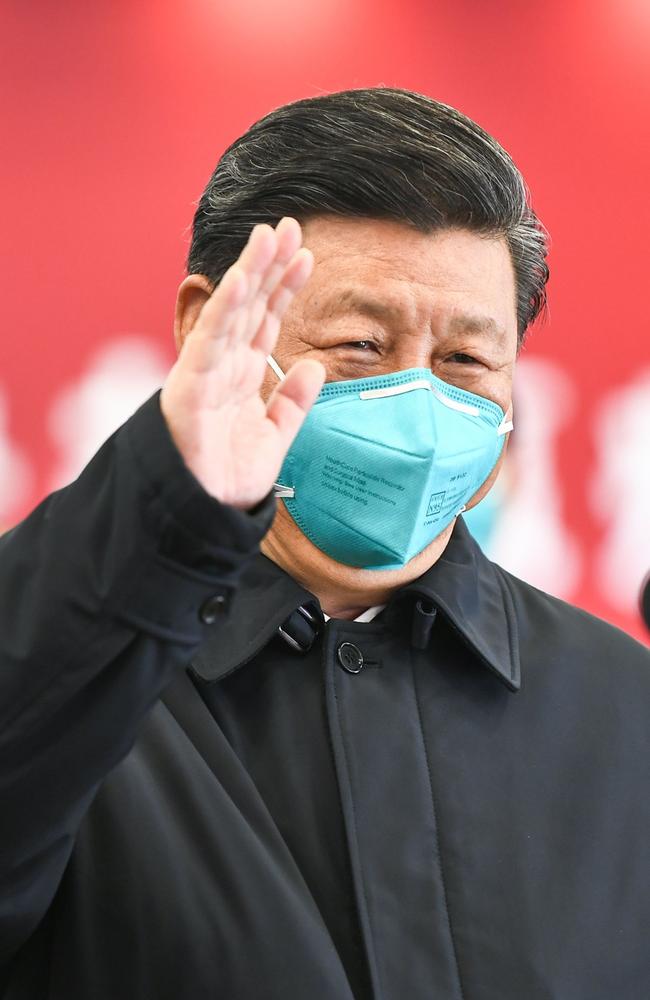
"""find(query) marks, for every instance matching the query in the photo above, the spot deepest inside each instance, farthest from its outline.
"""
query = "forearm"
(101, 591)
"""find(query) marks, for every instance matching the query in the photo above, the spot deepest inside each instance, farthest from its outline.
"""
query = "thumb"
(292, 399)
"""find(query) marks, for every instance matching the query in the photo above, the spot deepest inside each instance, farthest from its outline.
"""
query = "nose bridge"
(411, 348)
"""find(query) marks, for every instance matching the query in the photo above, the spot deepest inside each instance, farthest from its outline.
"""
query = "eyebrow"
(350, 299)
(470, 323)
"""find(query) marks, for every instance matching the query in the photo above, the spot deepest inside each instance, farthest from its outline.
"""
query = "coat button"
(350, 657)
(212, 608)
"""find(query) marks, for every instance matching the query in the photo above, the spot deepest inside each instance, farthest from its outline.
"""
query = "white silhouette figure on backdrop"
(620, 491)
(530, 537)
(121, 375)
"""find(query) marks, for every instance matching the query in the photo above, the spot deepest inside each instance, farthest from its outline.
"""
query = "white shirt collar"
(365, 616)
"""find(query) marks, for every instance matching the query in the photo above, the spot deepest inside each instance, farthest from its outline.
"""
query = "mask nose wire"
(275, 366)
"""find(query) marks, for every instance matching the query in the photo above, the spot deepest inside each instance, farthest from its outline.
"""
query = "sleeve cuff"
(198, 528)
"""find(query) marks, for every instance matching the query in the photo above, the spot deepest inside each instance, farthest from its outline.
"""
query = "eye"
(361, 345)
(463, 359)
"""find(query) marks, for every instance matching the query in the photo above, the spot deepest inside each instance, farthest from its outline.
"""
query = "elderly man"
(363, 762)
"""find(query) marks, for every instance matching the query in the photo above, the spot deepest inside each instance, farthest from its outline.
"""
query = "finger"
(292, 399)
(263, 284)
(258, 253)
(260, 250)
(289, 237)
(253, 261)
(293, 280)
(212, 324)
(226, 313)
(225, 308)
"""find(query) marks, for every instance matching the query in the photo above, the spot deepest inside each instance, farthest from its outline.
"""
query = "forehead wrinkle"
(354, 300)
(471, 323)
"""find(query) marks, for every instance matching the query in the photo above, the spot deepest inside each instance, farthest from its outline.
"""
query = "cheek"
(287, 350)
(489, 482)
(501, 392)
(268, 385)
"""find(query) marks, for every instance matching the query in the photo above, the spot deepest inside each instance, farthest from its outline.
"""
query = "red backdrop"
(115, 114)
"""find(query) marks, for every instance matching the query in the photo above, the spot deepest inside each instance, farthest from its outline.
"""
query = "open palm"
(232, 441)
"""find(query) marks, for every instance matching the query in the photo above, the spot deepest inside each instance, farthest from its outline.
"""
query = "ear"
(192, 295)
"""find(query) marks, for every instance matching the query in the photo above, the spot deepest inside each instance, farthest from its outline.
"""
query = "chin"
(389, 578)
(286, 545)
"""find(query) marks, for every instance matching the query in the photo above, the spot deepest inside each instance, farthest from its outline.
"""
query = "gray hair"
(377, 153)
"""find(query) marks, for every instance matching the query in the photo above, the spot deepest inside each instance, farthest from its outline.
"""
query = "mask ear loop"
(272, 363)
(279, 490)
(504, 427)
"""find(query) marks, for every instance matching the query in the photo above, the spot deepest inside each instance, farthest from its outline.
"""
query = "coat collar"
(264, 598)
(463, 584)
(472, 594)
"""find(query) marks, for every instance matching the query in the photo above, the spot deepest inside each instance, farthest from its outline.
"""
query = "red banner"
(114, 117)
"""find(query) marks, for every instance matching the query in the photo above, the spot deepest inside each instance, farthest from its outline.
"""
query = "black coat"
(454, 805)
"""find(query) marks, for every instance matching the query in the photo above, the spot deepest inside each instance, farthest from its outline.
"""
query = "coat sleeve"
(104, 589)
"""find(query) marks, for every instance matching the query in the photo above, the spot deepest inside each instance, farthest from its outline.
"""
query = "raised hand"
(231, 440)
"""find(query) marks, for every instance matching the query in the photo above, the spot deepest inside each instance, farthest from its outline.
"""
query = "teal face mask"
(382, 465)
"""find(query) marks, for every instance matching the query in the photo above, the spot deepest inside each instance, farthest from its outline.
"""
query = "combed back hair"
(377, 153)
